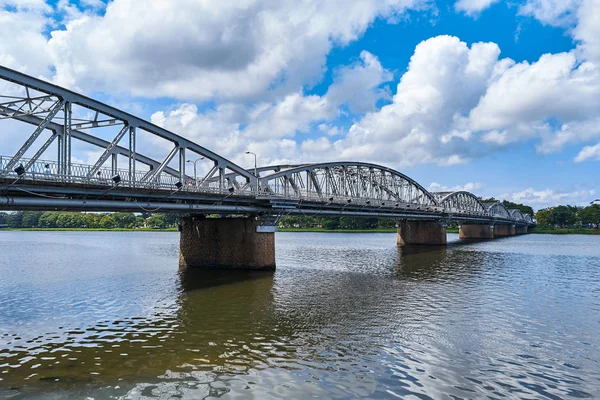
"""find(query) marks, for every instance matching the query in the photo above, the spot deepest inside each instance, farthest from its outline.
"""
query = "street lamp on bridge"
(255, 169)
(195, 161)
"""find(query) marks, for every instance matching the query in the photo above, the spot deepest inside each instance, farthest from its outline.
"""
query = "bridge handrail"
(47, 171)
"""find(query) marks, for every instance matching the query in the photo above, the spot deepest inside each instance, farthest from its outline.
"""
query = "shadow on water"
(437, 262)
(214, 315)
(227, 320)
(197, 278)
(340, 318)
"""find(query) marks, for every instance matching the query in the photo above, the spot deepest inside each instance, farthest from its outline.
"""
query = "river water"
(104, 315)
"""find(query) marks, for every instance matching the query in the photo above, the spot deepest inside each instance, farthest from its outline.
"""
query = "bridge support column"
(521, 230)
(421, 232)
(474, 231)
(504, 230)
(240, 243)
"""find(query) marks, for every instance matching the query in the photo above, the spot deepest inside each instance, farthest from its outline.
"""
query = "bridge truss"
(71, 117)
(123, 175)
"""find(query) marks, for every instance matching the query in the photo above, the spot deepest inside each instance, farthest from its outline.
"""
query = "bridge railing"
(49, 172)
(366, 202)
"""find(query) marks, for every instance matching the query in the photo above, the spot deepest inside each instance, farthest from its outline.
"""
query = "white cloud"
(589, 153)
(22, 45)
(552, 12)
(469, 187)
(425, 121)
(587, 31)
(232, 128)
(211, 49)
(453, 104)
(554, 86)
(471, 7)
(550, 197)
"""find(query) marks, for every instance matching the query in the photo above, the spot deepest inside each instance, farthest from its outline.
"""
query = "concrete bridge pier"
(226, 243)
(504, 230)
(521, 230)
(476, 231)
(421, 232)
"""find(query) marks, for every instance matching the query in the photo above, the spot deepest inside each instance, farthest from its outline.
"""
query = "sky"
(501, 98)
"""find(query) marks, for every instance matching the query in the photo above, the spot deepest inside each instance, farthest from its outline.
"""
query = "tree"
(564, 216)
(157, 221)
(15, 220)
(518, 206)
(107, 222)
(331, 223)
(30, 219)
(589, 215)
(124, 220)
(544, 217)
(560, 216)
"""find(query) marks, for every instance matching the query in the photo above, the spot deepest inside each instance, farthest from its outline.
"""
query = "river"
(108, 315)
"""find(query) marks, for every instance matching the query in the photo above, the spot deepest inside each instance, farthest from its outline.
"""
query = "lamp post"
(255, 169)
(195, 161)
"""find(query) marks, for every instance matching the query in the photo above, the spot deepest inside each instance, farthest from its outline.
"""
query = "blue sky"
(498, 97)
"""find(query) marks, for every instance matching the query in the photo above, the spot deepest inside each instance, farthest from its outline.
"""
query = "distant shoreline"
(537, 230)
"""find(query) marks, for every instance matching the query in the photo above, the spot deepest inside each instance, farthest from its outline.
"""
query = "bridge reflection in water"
(143, 167)
(354, 317)
(224, 322)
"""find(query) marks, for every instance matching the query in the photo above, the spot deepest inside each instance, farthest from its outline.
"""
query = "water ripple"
(108, 316)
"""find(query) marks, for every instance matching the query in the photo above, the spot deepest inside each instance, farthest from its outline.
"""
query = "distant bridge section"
(134, 165)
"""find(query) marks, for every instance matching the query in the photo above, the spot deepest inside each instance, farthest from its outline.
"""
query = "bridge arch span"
(461, 202)
(348, 183)
(497, 210)
(517, 215)
(64, 115)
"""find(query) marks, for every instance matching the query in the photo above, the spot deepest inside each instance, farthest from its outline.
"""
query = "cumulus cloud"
(454, 103)
(231, 128)
(471, 7)
(589, 153)
(472, 187)
(550, 197)
(552, 12)
(587, 31)
(426, 121)
(212, 49)
(254, 60)
(24, 47)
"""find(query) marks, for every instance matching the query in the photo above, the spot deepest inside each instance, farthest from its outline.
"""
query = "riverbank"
(92, 229)
(565, 231)
(536, 230)
(376, 230)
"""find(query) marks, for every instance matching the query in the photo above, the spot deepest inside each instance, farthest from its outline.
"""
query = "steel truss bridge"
(127, 175)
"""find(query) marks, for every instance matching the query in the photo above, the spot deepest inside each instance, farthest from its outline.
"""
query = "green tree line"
(334, 223)
(56, 219)
(569, 216)
(559, 216)
(512, 206)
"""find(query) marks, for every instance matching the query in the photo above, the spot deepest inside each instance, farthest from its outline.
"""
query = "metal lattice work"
(136, 165)
(461, 202)
(516, 215)
(348, 183)
(497, 210)
(71, 117)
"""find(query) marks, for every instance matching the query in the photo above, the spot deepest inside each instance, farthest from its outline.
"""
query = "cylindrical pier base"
(421, 232)
(474, 231)
(504, 230)
(225, 243)
(521, 230)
